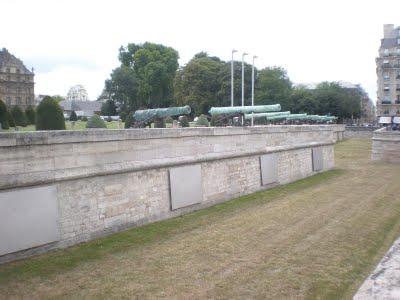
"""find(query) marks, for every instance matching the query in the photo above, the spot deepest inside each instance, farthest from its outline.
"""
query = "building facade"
(77, 93)
(16, 81)
(388, 72)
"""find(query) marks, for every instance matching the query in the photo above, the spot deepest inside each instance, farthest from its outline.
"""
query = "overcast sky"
(76, 42)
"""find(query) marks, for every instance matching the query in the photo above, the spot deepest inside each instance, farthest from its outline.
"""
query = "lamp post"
(243, 55)
(232, 83)
(252, 89)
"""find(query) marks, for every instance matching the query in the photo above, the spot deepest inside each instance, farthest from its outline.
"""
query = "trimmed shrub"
(129, 120)
(49, 115)
(84, 119)
(184, 121)
(4, 116)
(73, 116)
(30, 115)
(109, 119)
(159, 123)
(96, 122)
(202, 121)
(19, 116)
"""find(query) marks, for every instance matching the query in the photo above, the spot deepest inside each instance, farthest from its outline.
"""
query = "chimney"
(388, 31)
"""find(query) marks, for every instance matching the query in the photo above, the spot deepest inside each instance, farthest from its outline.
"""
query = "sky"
(76, 42)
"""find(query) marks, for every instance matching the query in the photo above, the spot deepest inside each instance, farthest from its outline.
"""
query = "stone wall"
(359, 132)
(386, 146)
(109, 180)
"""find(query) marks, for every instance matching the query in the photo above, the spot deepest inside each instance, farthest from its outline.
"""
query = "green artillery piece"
(145, 117)
(233, 115)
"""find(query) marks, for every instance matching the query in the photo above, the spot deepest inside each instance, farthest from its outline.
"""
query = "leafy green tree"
(95, 122)
(3, 116)
(19, 116)
(73, 116)
(58, 98)
(30, 114)
(49, 115)
(198, 83)
(108, 108)
(122, 88)
(302, 100)
(273, 86)
(338, 101)
(154, 66)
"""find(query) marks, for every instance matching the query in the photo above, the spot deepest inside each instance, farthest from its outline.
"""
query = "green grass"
(63, 260)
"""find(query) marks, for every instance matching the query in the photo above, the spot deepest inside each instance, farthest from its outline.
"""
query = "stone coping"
(386, 135)
(10, 139)
(54, 176)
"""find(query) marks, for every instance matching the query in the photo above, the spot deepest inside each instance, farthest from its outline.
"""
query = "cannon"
(235, 115)
(145, 117)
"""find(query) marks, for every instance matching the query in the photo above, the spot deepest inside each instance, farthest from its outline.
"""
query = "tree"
(49, 115)
(30, 115)
(338, 101)
(73, 116)
(198, 83)
(302, 100)
(3, 116)
(144, 79)
(155, 66)
(273, 86)
(96, 122)
(10, 119)
(108, 108)
(58, 98)
(19, 116)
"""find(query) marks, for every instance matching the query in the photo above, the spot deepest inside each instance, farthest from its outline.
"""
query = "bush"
(84, 119)
(184, 121)
(159, 123)
(30, 115)
(109, 119)
(19, 116)
(49, 115)
(108, 108)
(73, 116)
(123, 115)
(4, 116)
(96, 122)
(202, 121)
(129, 120)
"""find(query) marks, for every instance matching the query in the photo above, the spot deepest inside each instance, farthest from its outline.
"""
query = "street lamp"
(232, 83)
(243, 55)
(252, 89)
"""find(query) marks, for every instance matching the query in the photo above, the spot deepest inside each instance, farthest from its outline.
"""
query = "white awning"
(385, 120)
(396, 120)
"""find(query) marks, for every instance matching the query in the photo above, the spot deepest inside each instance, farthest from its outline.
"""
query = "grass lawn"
(317, 238)
(79, 125)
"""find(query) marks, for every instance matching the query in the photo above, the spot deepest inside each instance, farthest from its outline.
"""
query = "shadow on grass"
(66, 259)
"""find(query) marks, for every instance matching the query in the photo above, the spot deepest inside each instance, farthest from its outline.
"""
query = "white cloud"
(70, 42)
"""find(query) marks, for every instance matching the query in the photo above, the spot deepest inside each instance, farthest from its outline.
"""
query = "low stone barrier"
(359, 132)
(61, 188)
(386, 145)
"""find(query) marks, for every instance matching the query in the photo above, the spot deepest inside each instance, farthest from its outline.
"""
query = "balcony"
(386, 102)
(397, 102)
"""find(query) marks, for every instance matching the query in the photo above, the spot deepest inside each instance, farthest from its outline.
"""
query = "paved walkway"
(384, 282)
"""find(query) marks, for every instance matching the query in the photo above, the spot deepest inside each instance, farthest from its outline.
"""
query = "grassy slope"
(315, 238)
(79, 125)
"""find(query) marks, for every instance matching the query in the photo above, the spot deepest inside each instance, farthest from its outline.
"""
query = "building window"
(8, 70)
(386, 76)
(18, 71)
(8, 78)
(386, 87)
(386, 112)
(386, 52)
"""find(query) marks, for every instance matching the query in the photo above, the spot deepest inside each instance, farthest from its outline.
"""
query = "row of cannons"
(231, 116)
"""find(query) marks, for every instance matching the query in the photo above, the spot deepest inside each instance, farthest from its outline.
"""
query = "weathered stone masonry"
(108, 180)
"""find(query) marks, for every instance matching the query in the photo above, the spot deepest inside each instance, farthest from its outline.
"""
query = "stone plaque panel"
(28, 218)
(317, 159)
(186, 186)
(269, 168)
